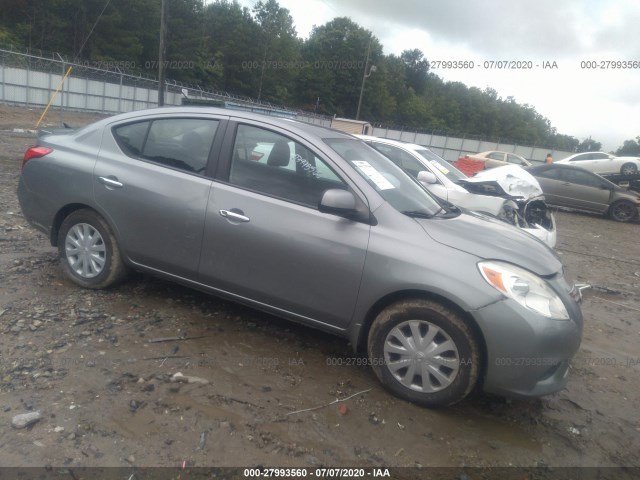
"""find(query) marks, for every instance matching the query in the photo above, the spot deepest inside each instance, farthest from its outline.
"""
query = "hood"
(492, 239)
(510, 180)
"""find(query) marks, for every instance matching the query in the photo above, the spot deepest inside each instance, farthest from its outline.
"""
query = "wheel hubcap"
(85, 250)
(623, 211)
(421, 356)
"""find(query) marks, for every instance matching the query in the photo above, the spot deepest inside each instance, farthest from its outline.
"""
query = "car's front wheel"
(424, 352)
(623, 211)
(629, 169)
(89, 252)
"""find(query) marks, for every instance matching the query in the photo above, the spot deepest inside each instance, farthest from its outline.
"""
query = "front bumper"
(527, 354)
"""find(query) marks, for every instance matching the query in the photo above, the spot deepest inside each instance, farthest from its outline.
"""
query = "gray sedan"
(577, 188)
(323, 230)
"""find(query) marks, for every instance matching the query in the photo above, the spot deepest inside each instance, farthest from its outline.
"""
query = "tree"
(589, 145)
(629, 148)
(232, 43)
(257, 53)
(416, 70)
(280, 49)
(335, 56)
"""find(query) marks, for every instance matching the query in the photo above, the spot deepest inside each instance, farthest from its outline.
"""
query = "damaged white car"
(509, 193)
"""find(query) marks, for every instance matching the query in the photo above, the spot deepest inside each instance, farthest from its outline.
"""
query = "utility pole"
(365, 76)
(161, 53)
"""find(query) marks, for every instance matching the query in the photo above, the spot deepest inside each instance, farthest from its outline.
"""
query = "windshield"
(448, 170)
(401, 191)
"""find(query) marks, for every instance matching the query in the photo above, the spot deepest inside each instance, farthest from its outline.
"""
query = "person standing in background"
(549, 158)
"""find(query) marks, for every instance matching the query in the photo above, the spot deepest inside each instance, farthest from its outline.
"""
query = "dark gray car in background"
(577, 188)
(325, 231)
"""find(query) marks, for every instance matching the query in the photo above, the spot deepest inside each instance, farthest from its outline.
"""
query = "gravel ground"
(99, 367)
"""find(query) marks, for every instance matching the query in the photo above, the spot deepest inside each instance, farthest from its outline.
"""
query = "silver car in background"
(325, 231)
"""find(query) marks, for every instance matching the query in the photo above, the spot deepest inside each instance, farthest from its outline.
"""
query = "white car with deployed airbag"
(509, 193)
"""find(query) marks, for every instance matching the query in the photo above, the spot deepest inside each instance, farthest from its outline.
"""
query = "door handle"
(566, 183)
(110, 181)
(237, 215)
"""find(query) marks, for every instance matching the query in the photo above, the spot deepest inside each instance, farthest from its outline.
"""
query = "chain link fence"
(31, 78)
(28, 78)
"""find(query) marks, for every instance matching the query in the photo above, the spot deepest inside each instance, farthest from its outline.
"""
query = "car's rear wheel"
(623, 211)
(629, 169)
(424, 352)
(89, 252)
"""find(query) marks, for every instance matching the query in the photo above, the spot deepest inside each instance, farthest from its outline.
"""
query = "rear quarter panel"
(60, 178)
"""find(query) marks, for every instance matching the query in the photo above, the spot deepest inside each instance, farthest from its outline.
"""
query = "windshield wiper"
(450, 211)
(419, 213)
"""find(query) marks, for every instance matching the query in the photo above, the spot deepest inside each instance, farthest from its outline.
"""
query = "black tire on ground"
(447, 364)
(89, 253)
(628, 169)
(623, 211)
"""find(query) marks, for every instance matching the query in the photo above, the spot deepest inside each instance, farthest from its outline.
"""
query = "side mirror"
(339, 202)
(427, 177)
(344, 204)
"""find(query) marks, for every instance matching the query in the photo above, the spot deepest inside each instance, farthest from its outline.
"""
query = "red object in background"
(469, 166)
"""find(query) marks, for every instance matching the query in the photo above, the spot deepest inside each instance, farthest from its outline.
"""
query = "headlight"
(529, 290)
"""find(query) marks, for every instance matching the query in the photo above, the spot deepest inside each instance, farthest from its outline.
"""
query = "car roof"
(566, 166)
(555, 165)
(582, 153)
(500, 151)
(389, 141)
(295, 126)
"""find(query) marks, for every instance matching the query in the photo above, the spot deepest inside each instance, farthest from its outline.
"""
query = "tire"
(623, 211)
(89, 252)
(628, 169)
(441, 377)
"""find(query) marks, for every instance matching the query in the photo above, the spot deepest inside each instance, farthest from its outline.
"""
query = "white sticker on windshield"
(439, 166)
(374, 175)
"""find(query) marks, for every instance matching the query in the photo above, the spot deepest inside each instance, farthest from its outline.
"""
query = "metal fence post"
(104, 94)
(120, 95)
(62, 74)
(26, 84)
(86, 93)
(2, 80)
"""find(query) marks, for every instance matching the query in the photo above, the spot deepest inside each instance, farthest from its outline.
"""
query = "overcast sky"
(601, 103)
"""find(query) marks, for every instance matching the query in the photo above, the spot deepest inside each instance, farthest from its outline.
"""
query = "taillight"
(35, 152)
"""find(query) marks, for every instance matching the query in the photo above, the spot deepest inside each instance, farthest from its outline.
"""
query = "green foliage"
(629, 148)
(280, 51)
(257, 53)
(589, 145)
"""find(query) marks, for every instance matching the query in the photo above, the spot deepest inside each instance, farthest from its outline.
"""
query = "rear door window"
(181, 143)
(547, 171)
(581, 178)
(131, 137)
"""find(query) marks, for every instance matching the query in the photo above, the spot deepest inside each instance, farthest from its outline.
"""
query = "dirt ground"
(98, 366)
